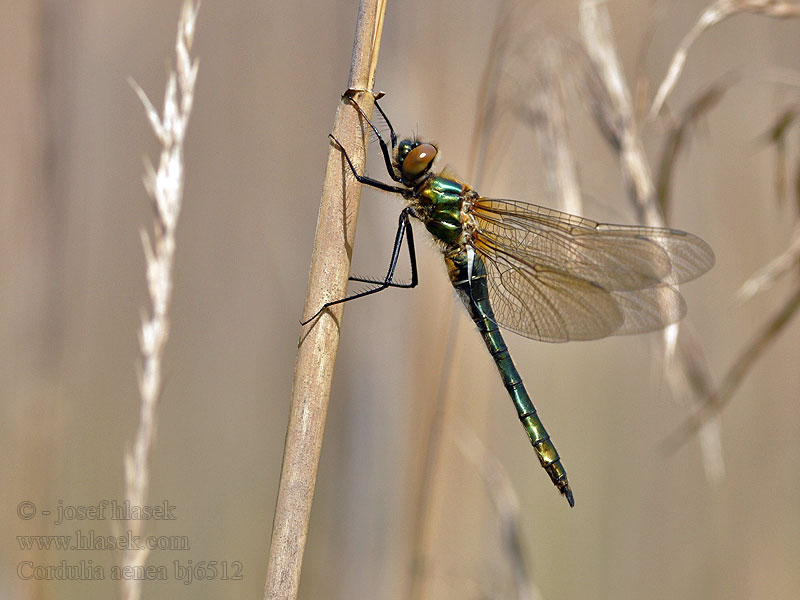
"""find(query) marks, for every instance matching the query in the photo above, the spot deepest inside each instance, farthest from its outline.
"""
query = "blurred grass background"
(72, 281)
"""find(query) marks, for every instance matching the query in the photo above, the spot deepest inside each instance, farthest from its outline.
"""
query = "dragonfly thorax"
(439, 202)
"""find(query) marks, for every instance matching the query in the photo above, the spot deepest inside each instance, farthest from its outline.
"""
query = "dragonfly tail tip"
(568, 493)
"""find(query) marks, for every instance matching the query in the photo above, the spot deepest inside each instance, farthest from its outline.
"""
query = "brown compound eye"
(418, 161)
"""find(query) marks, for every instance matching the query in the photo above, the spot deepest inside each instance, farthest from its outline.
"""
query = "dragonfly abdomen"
(473, 291)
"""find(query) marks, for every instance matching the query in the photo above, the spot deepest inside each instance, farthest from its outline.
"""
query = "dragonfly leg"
(363, 179)
(387, 156)
(403, 230)
(393, 135)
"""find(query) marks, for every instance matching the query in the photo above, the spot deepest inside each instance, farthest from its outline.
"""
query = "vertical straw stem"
(330, 268)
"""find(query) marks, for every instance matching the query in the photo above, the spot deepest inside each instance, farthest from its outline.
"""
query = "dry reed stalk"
(165, 187)
(718, 398)
(712, 15)
(422, 528)
(505, 501)
(527, 79)
(330, 268)
(679, 136)
(618, 119)
(714, 398)
(786, 262)
(687, 365)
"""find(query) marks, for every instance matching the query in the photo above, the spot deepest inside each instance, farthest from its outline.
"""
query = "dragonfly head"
(414, 159)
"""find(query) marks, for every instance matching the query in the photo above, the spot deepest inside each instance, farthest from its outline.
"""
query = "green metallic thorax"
(438, 200)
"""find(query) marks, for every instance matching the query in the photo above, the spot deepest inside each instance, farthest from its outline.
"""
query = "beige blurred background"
(645, 524)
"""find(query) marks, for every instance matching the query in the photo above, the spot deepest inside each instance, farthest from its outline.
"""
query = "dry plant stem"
(712, 15)
(487, 100)
(596, 30)
(557, 151)
(756, 347)
(717, 399)
(422, 528)
(330, 267)
(165, 187)
(500, 490)
(735, 375)
(678, 137)
(787, 262)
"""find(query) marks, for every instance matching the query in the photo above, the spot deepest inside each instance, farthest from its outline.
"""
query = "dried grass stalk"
(330, 268)
(683, 352)
(712, 15)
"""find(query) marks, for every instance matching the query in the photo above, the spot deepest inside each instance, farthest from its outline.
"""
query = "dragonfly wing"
(616, 256)
(557, 277)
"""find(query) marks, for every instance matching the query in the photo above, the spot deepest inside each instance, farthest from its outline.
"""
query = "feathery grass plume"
(165, 187)
(712, 15)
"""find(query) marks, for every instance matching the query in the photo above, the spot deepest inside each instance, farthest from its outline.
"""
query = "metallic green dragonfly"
(544, 274)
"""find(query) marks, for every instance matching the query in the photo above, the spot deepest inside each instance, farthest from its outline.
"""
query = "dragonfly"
(541, 273)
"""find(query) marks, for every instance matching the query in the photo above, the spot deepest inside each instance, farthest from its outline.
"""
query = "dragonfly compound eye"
(418, 160)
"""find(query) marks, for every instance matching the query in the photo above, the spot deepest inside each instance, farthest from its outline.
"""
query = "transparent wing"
(556, 277)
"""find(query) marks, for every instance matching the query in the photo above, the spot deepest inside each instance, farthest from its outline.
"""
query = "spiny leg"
(403, 230)
(393, 135)
(387, 156)
(363, 179)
